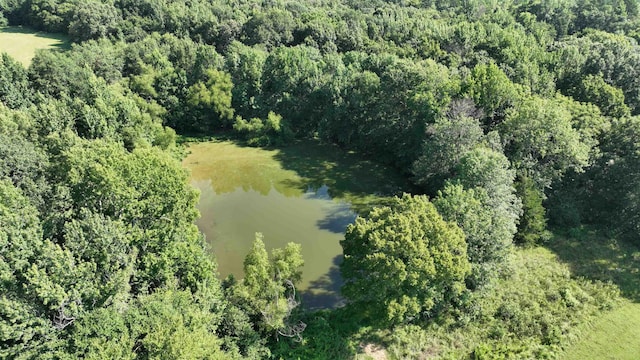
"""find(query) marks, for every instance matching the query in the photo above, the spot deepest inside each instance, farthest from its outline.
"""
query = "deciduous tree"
(403, 263)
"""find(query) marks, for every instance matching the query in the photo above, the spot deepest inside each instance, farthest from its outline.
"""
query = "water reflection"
(315, 220)
(324, 292)
(304, 194)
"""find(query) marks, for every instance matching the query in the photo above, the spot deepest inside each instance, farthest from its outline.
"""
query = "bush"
(411, 342)
(258, 132)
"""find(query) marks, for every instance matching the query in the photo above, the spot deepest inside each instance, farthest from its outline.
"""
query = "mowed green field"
(21, 43)
(615, 336)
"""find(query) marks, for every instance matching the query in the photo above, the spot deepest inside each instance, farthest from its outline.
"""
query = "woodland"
(518, 123)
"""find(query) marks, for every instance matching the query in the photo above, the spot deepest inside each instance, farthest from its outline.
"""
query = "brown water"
(306, 194)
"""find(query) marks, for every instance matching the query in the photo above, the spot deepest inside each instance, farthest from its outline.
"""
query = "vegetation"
(609, 337)
(519, 118)
(404, 262)
(22, 43)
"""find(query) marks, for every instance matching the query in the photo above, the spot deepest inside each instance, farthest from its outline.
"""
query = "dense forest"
(516, 120)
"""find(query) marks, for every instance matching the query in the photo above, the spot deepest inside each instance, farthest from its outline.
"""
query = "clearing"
(614, 335)
(21, 42)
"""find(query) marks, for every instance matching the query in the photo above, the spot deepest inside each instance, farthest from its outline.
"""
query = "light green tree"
(539, 139)
(267, 292)
(448, 140)
(404, 263)
(210, 101)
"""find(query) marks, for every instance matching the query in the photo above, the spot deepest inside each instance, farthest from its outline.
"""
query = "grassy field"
(614, 335)
(21, 43)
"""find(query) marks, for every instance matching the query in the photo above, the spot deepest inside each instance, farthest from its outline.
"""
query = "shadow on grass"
(594, 256)
(63, 44)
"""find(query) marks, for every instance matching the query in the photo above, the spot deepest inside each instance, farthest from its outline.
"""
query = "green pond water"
(306, 193)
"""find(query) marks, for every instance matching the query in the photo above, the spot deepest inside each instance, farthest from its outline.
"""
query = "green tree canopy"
(540, 139)
(267, 292)
(404, 262)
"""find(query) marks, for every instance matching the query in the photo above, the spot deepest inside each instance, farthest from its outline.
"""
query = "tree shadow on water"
(346, 175)
(595, 256)
(324, 292)
(337, 220)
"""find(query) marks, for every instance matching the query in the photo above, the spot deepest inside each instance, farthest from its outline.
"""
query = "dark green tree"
(532, 228)
(93, 20)
(14, 86)
(271, 28)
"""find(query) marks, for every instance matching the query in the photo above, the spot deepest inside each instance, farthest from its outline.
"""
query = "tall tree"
(267, 292)
(404, 263)
(532, 228)
(210, 102)
(447, 141)
(539, 138)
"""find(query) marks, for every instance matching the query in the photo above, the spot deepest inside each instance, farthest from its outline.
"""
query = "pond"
(305, 193)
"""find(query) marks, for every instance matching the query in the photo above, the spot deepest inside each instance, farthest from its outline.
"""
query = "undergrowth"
(531, 314)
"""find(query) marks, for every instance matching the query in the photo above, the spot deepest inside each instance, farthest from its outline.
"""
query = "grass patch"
(21, 43)
(613, 336)
(594, 256)
(532, 313)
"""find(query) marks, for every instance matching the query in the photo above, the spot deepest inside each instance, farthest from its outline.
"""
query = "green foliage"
(50, 15)
(267, 292)
(608, 98)
(614, 198)
(528, 314)
(290, 80)
(491, 90)
(20, 239)
(612, 56)
(14, 88)
(210, 101)
(449, 139)
(272, 28)
(93, 20)
(147, 189)
(107, 249)
(25, 165)
(245, 65)
(404, 263)
(489, 170)
(169, 324)
(270, 131)
(410, 342)
(330, 334)
(532, 226)
(487, 234)
(540, 139)
(42, 287)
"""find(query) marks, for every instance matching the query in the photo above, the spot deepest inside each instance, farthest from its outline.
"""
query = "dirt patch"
(375, 351)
